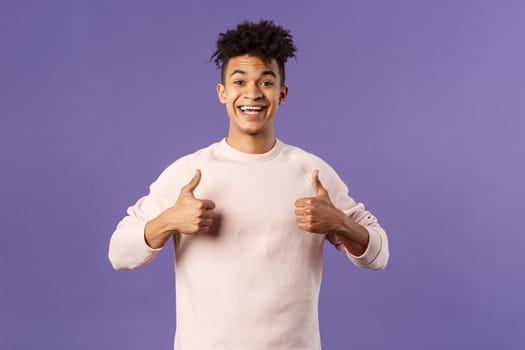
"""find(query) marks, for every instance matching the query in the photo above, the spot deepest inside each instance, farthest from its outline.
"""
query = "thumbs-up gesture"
(318, 214)
(189, 214)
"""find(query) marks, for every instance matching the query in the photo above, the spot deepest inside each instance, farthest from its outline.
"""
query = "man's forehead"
(251, 64)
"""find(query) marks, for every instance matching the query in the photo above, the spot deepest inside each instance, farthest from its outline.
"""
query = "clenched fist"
(188, 215)
(318, 214)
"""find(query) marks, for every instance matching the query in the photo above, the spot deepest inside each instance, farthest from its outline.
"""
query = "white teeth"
(251, 108)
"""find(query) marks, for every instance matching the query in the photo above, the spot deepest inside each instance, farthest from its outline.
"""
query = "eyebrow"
(266, 72)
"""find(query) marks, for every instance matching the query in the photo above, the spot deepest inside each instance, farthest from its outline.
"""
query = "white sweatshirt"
(253, 281)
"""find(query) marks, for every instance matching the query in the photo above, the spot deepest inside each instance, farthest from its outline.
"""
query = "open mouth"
(252, 110)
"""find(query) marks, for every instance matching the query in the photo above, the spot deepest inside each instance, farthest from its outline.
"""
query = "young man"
(249, 215)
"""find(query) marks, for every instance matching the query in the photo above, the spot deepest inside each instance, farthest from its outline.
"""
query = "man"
(249, 215)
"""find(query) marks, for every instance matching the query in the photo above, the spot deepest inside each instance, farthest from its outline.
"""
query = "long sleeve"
(376, 255)
(255, 245)
(127, 247)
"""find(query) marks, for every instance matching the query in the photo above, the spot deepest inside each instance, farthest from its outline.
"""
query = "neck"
(252, 143)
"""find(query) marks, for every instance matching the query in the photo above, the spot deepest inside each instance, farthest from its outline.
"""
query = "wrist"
(352, 231)
(342, 225)
(157, 232)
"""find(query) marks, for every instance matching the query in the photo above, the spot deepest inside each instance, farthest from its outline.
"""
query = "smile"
(251, 110)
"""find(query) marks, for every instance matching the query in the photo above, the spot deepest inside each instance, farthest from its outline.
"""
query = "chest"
(255, 194)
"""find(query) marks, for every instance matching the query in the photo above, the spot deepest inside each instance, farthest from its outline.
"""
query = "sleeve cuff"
(371, 252)
(142, 250)
(376, 256)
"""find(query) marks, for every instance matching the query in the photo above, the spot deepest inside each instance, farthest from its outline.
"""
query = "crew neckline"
(235, 154)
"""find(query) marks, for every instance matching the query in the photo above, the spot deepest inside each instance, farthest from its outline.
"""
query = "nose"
(253, 92)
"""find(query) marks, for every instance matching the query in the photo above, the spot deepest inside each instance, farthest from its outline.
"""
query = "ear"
(283, 94)
(221, 93)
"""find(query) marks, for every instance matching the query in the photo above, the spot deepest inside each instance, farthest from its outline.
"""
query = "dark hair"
(265, 40)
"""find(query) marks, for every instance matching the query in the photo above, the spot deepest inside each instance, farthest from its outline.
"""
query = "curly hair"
(265, 40)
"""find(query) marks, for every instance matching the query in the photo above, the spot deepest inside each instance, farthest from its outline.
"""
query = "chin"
(251, 132)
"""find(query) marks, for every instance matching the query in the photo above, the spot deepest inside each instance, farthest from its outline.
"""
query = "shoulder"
(299, 154)
(307, 160)
(193, 158)
(183, 169)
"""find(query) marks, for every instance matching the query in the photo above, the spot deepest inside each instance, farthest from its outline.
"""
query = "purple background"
(419, 105)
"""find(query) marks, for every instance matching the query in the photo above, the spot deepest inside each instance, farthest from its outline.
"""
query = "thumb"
(192, 185)
(318, 186)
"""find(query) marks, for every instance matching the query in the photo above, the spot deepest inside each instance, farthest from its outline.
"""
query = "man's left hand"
(318, 214)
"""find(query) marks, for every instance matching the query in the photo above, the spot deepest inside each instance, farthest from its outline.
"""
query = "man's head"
(264, 40)
(252, 88)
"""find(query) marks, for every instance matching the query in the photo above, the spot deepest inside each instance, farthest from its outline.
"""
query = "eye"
(238, 82)
(267, 83)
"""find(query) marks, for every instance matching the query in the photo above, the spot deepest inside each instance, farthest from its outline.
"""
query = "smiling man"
(249, 215)
(252, 93)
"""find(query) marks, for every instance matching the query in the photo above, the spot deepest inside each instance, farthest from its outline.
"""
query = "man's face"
(252, 93)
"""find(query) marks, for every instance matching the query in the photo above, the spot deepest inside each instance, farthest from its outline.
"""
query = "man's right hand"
(188, 215)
